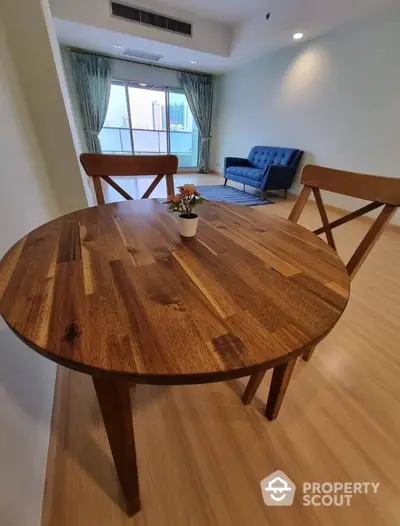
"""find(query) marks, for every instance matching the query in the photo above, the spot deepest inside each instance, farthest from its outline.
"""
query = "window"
(115, 135)
(150, 120)
(183, 131)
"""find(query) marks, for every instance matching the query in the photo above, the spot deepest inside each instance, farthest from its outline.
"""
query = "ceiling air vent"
(141, 16)
(142, 55)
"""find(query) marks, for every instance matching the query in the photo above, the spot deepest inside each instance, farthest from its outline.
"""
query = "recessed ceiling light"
(142, 84)
(298, 36)
(194, 61)
(117, 46)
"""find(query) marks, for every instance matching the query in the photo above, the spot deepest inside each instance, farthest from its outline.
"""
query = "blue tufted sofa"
(266, 168)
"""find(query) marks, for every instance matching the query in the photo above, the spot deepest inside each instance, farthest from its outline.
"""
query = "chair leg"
(279, 384)
(252, 386)
(285, 194)
(307, 355)
(244, 188)
(226, 180)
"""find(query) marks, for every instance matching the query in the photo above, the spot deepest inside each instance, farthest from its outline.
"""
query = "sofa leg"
(226, 180)
(285, 193)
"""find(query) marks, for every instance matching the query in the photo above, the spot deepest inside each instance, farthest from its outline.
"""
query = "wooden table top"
(115, 290)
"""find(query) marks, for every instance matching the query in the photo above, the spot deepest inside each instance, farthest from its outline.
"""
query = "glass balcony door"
(148, 114)
(150, 120)
(183, 131)
(115, 136)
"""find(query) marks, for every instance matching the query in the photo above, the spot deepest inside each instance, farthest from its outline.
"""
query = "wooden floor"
(202, 454)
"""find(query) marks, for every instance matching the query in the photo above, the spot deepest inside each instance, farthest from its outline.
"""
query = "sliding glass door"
(115, 137)
(150, 120)
(183, 132)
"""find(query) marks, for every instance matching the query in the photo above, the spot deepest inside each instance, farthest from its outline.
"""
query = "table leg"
(252, 386)
(115, 403)
(307, 355)
(279, 384)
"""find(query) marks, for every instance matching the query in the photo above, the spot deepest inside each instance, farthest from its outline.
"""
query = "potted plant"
(184, 202)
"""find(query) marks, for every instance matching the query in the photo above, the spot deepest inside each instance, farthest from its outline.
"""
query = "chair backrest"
(101, 166)
(262, 156)
(382, 191)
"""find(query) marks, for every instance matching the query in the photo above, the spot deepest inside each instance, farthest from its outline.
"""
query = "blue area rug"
(227, 194)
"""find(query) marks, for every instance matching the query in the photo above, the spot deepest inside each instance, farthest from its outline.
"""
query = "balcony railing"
(151, 142)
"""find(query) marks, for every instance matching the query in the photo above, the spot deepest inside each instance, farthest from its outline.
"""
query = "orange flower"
(175, 198)
(187, 190)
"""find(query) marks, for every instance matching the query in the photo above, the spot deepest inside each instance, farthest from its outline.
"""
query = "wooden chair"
(101, 166)
(382, 191)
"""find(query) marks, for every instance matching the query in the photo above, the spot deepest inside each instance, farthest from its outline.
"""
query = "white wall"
(337, 98)
(36, 54)
(26, 379)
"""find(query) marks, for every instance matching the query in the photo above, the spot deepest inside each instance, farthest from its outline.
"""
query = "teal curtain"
(92, 76)
(199, 94)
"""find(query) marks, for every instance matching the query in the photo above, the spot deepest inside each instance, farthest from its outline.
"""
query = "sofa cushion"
(262, 156)
(246, 172)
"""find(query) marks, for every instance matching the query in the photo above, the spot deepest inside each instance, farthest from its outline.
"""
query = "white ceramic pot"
(188, 226)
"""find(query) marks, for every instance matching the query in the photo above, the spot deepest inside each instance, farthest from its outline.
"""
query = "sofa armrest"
(277, 177)
(235, 161)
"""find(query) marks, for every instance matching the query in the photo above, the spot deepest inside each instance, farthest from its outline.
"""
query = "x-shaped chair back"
(382, 191)
(101, 166)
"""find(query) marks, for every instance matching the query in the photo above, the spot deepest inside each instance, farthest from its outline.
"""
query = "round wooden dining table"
(114, 291)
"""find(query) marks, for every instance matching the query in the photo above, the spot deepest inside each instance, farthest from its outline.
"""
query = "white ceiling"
(243, 41)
